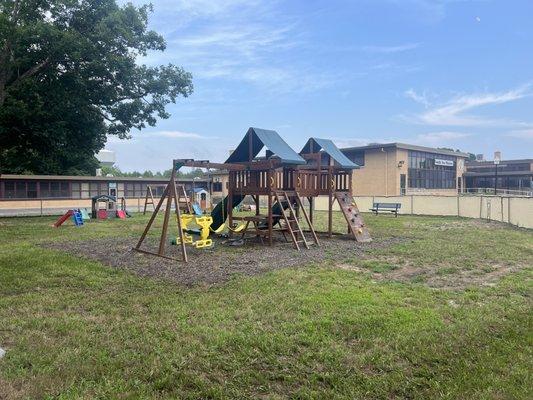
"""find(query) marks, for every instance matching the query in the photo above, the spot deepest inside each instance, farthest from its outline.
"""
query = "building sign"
(444, 163)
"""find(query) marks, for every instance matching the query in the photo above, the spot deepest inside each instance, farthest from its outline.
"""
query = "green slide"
(220, 212)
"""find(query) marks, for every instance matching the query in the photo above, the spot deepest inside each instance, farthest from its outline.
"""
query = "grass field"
(444, 313)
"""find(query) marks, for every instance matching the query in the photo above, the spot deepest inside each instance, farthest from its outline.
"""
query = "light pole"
(497, 159)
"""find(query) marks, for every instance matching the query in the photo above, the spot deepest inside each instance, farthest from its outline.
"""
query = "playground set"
(102, 207)
(110, 209)
(284, 177)
(75, 215)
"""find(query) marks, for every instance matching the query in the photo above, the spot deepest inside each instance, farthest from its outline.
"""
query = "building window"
(130, 190)
(31, 190)
(431, 171)
(217, 186)
(85, 190)
(54, 189)
(76, 190)
(93, 189)
(20, 190)
(501, 168)
(159, 191)
(9, 190)
(357, 157)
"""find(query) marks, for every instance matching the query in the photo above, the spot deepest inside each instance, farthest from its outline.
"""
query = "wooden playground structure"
(284, 178)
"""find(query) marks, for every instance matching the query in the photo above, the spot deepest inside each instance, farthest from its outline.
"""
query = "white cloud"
(209, 7)
(172, 135)
(239, 40)
(526, 134)
(357, 142)
(418, 97)
(440, 138)
(137, 136)
(454, 112)
(391, 49)
(429, 11)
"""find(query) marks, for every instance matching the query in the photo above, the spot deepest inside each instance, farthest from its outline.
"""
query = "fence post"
(480, 205)
(138, 204)
(501, 206)
(411, 204)
(41, 202)
(509, 210)
(458, 208)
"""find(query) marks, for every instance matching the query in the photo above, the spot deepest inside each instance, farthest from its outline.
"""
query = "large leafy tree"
(69, 76)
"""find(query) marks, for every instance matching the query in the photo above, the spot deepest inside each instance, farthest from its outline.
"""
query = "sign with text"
(444, 163)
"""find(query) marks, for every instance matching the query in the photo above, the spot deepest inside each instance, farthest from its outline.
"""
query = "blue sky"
(436, 73)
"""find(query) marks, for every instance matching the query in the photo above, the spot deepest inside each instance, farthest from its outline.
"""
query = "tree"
(69, 77)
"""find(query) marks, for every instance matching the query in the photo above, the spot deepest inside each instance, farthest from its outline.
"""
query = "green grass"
(75, 329)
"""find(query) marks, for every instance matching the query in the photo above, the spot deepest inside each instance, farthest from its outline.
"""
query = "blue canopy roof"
(275, 145)
(314, 145)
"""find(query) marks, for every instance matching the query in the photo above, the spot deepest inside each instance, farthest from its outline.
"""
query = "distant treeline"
(115, 171)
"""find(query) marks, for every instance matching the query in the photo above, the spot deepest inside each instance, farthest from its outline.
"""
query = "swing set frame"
(171, 195)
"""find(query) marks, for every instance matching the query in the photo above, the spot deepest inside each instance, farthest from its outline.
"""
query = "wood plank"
(152, 217)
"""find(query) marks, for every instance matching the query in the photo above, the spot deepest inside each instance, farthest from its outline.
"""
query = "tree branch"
(32, 71)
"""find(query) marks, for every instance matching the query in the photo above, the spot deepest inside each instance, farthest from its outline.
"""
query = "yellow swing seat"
(238, 228)
(220, 229)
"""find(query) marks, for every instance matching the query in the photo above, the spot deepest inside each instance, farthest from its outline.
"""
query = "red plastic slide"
(63, 218)
(121, 214)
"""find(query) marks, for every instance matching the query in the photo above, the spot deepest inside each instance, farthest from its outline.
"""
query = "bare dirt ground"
(218, 264)
(435, 276)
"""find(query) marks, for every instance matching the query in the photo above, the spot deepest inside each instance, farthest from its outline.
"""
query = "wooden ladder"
(353, 217)
(149, 199)
(183, 199)
(291, 221)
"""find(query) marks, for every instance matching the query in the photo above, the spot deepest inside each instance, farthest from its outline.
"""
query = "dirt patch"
(218, 264)
(435, 276)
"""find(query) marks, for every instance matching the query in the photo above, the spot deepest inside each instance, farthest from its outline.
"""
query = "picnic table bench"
(390, 207)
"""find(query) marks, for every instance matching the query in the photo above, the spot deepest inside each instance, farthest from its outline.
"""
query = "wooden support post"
(152, 218)
(311, 208)
(166, 218)
(178, 217)
(257, 205)
(330, 206)
(229, 203)
(270, 219)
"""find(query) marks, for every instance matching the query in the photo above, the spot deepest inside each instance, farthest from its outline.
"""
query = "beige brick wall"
(380, 175)
(224, 179)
